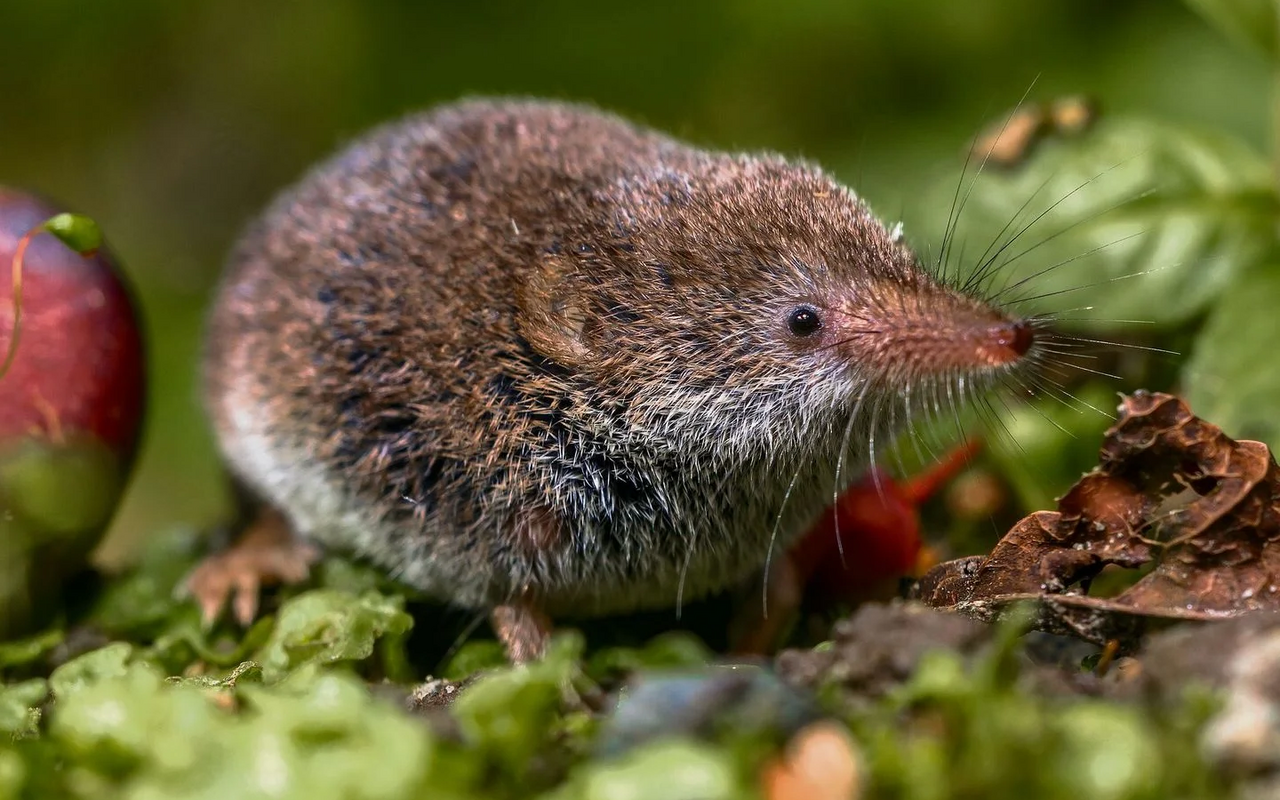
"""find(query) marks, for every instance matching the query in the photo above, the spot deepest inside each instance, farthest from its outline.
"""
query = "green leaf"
(112, 661)
(1148, 222)
(669, 650)
(18, 713)
(76, 231)
(1045, 445)
(1231, 379)
(313, 736)
(21, 652)
(13, 773)
(324, 735)
(143, 601)
(1252, 23)
(118, 723)
(351, 576)
(674, 769)
(475, 657)
(1107, 753)
(509, 715)
(327, 625)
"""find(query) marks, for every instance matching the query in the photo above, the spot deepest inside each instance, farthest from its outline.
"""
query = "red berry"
(71, 401)
(79, 361)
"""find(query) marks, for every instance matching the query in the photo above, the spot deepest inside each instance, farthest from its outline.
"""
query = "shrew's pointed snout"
(932, 331)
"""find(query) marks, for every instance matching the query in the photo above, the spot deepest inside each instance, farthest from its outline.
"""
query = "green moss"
(299, 716)
(18, 713)
(327, 626)
(954, 731)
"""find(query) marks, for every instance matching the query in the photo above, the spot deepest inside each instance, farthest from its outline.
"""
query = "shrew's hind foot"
(523, 630)
(266, 552)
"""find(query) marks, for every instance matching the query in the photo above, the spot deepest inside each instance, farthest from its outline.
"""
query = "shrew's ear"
(553, 313)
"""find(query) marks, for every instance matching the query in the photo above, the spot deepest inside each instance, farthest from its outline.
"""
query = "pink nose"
(1015, 336)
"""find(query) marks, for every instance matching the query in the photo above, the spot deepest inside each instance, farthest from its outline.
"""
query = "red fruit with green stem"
(72, 393)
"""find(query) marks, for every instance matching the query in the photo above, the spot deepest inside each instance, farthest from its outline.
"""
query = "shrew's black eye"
(804, 321)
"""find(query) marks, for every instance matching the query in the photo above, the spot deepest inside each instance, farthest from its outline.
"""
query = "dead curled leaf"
(1171, 492)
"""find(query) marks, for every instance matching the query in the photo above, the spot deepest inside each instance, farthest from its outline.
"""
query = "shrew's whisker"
(953, 219)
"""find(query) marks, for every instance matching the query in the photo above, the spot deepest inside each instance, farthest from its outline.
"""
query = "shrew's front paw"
(267, 552)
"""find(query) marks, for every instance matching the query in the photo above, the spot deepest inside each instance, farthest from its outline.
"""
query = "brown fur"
(512, 349)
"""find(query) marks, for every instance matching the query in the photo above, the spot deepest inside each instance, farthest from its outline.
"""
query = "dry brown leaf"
(1171, 491)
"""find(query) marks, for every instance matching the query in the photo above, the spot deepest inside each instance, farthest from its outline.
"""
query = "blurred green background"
(173, 122)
